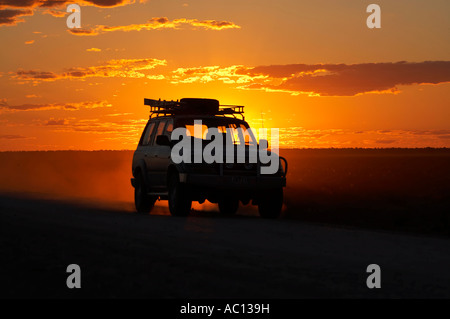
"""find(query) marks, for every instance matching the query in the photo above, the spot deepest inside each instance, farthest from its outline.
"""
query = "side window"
(148, 134)
(159, 130)
(143, 133)
(169, 128)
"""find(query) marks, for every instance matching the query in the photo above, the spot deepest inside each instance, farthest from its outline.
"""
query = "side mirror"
(162, 140)
(263, 144)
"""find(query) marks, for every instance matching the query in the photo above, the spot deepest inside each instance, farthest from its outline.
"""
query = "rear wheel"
(179, 200)
(228, 206)
(143, 202)
(271, 203)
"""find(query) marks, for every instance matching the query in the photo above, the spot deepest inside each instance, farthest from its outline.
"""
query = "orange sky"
(313, 69)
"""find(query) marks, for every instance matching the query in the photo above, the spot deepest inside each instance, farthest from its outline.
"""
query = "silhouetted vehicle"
(157, 176)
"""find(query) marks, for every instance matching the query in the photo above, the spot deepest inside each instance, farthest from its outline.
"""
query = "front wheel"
(179, 200)
(143, 202)
(271, 203)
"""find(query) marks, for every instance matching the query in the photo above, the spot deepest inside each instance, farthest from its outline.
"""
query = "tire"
(142, 201)
(271, 203)
(179, 200)
(228, 206)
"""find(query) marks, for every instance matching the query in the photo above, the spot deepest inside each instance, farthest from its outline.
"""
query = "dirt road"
(122, 254)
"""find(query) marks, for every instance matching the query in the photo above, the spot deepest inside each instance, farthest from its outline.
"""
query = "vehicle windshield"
(239, 132)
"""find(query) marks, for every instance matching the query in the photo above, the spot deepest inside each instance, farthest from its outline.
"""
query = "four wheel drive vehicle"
(157, 176)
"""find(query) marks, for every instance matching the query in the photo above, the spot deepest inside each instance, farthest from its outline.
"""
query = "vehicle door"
(162, 154)
(148, 151)
(142, 149)
(154, 156)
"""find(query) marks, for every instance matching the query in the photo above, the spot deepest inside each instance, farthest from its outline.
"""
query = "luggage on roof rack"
(192, 106)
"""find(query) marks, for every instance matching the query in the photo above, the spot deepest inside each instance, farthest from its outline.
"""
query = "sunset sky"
(313, 69)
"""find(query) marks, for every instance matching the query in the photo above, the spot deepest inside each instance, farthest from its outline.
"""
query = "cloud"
(82, 32)
(12, 137)
(29, 42)
(119, 114)
(295, 79)
(157, 23)
(27, 7)
(4, 106)
(322, 79)
(429, 132)
(53, 121)
(35, 75)
(350, 80)
(109, 3)
(130, 128)
(20, 3)
(229, 75)
(55, 13)
(94, 50)
(212, 24)
(301, 137)
(127, 68)
(12, 17)
(60, 3)
(11, 10)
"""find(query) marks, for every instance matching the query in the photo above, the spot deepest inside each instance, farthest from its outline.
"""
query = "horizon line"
(281, 148)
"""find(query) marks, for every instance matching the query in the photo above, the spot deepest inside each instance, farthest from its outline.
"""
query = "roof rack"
(193, 106)
(231, 110)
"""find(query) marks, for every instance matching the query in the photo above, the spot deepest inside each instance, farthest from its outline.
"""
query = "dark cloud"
(47, 106)
(127, 128)
(106, 3)
(19, 3)
(29, 107)
(122, 68)
(431, 132)
(12, 137)
(280, 71)
(58, 3)
(55, 13)
(347, 79)
(12, 17)
(39, 75)
(158, 23)
(53, 121)
(76, 31)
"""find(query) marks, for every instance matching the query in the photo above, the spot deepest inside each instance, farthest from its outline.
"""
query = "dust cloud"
(380, 188)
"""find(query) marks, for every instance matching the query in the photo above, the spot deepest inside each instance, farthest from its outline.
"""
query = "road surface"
(123, 254)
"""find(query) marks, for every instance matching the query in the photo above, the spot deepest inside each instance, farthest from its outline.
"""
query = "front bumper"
(233, 182)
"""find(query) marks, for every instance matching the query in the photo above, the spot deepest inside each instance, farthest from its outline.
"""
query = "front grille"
(246, 169)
